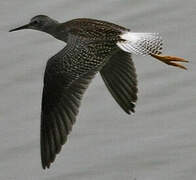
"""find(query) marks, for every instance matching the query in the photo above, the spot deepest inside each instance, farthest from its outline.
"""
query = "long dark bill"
(26, 26)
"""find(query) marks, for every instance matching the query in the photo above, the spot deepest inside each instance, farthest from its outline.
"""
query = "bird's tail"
(147, 44)
(141, 43)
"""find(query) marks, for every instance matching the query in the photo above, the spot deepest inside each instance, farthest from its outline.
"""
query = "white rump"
(141, 43)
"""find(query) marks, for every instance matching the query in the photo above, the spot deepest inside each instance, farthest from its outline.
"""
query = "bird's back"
(92, 29)
(90, 44)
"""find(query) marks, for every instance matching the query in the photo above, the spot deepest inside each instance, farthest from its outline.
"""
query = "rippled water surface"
(157, 143)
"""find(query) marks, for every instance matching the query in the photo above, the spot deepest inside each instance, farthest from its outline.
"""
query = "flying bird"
(91, 46)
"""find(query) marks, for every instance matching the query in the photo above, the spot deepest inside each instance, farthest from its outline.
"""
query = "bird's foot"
(171, 60)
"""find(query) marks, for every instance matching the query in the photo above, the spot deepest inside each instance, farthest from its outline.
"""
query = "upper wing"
(66, 78)
(60, 106)
(120, 78)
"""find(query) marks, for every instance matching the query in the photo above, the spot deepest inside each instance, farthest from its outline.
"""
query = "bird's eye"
(35, 22)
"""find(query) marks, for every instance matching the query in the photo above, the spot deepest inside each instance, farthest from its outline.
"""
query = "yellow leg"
(170, 60)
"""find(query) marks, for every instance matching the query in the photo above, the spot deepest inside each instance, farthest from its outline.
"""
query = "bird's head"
(40, 23)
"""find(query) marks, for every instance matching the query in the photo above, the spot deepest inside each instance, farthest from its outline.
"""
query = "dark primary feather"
(59, 111)
(120, 78)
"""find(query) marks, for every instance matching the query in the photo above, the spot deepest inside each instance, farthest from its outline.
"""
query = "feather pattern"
(67, 76)
(140, 43)
(120, 78)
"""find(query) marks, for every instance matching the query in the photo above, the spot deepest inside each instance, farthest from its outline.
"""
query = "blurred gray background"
(158, 142)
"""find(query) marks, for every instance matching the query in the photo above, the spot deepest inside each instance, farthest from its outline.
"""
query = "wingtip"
(129, 111)
(46, 166)
(43, 167)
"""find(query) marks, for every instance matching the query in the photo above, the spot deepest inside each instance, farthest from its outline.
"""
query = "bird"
(92, 46)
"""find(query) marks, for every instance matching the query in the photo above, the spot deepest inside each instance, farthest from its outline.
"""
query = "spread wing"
(120, 78)
(66, 78)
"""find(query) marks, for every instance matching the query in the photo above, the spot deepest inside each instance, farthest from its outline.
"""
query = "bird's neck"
(58, 31)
